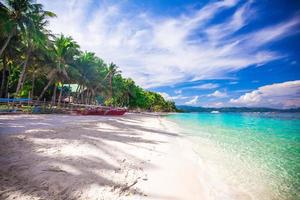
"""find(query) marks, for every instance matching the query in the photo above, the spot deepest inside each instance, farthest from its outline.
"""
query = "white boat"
(215, 112)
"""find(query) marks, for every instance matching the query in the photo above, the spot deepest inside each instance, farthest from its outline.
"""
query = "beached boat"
(102, 111)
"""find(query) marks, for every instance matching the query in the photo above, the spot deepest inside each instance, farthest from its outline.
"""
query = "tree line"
(38, 64)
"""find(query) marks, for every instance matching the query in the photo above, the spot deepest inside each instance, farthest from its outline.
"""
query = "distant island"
(184, 108)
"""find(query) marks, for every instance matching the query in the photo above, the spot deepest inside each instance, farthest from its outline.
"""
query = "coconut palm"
(34, 36)
(16, 16)
(111, 72)
(10, 62)
(64, 50)
(91, 70)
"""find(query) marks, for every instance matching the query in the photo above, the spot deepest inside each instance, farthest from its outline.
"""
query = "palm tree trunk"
(60, 94)
(33, 84)
(54, 94)
(23, 82)
(7, 82)
(7, 42)
(21, 78)
(90, 97)
(128, 96)
(3, 77)
(70, 91)
(110, 86)
(82, 97)
(87, 97)
(45, 88)
(92, 101)
(78, 93)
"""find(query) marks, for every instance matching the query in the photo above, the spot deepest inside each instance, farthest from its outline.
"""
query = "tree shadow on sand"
(50, 157)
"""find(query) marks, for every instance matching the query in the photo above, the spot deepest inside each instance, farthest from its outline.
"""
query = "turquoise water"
(247, 155)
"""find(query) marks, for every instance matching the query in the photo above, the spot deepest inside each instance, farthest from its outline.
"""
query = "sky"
(200, 53)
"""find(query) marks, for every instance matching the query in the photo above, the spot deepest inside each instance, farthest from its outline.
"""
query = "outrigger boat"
(101, 111)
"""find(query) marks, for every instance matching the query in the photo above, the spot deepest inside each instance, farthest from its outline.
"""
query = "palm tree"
(37, 67)
(10, 60)
(129, 90)
(6, 27)
(11, 18)
(64, 50)
(27, 48)
(91, 73)
(34, 36)
(4, 72)
(15, 15)
(111, 72)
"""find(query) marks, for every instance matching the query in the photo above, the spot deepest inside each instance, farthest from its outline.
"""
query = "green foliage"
(110, 102)
(35, 63)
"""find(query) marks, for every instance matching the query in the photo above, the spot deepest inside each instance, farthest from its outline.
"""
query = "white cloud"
(206, 86)
(233, 82)
(275, 32)
(193, 101)
(158, 50)
(179, 97)
(218, 104)
(214, 104)
(166, 96)
(239, 19)
(278, 95)
(218, 94)
(294, 62)
(178, 91)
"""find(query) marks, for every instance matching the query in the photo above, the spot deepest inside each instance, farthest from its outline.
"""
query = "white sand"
(93, 157)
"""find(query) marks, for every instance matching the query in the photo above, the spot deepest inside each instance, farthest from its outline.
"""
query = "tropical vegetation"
(38, 64)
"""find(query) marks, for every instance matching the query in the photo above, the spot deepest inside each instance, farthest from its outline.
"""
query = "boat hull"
(112, 112)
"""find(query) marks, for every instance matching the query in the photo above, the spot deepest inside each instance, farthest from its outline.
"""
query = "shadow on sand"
(28, 147)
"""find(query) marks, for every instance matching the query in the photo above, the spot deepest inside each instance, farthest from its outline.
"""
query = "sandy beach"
(90, 157)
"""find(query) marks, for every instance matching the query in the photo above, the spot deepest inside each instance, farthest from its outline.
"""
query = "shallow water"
(246, 155)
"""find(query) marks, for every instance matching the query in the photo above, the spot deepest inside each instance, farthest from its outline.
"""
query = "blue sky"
(199, 53)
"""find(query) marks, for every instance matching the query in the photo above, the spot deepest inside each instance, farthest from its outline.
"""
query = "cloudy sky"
(195, 52)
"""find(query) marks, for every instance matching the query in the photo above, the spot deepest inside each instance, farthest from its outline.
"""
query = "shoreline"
(136, 156)
(241, 160)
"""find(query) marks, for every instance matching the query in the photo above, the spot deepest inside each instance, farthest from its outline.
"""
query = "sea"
(246, 155)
